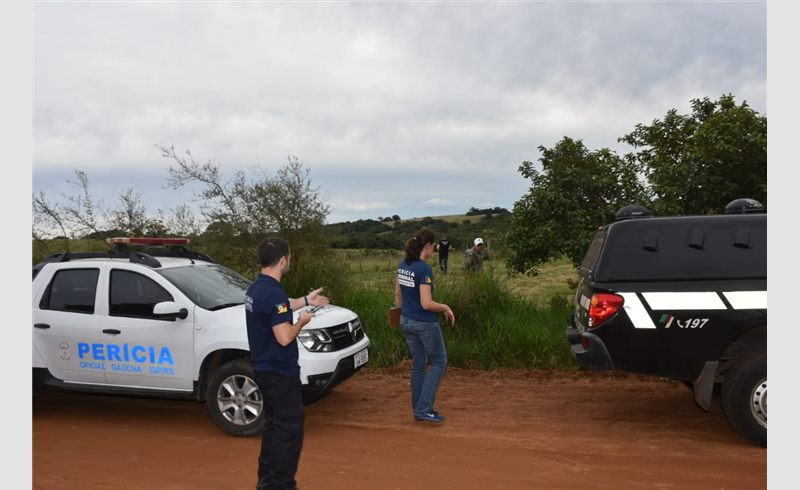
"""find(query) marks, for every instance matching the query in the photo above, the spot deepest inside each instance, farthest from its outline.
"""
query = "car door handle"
(112, 331)
(41, 325)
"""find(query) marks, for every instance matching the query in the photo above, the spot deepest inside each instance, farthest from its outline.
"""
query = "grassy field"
(450, 218)
(454, 218)
(555, 279)
(503, 320)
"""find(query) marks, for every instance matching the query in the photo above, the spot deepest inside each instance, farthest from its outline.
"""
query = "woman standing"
(413, 292)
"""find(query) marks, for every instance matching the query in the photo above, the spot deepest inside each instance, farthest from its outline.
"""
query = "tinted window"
(134, 295)
(590, 259)
(71, 290)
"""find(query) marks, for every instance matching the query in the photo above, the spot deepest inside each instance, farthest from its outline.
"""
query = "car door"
(143, 351)
(66, 325)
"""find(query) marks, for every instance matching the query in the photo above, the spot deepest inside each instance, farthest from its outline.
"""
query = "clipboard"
(394, 316)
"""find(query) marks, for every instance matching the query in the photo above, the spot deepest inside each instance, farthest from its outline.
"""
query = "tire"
(744, 398)
(234, 401)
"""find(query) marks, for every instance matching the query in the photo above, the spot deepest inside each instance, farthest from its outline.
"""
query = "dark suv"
(685, 298)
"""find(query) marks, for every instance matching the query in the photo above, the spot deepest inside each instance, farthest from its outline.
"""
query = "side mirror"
(169, 310)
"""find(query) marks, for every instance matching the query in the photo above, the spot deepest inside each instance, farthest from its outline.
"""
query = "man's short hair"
(270, 251)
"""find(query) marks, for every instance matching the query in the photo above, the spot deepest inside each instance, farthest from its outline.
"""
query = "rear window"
(593, 254)
(71, 290)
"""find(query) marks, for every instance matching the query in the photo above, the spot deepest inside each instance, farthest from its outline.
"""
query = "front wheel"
(744, 398)
(234, 400)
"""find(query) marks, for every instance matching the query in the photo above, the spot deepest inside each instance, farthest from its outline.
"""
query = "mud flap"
(704, 385)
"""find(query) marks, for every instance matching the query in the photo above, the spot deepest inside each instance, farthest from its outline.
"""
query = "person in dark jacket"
(271, 334)
(443, 247)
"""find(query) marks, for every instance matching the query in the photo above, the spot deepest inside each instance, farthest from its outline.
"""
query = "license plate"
(580, 326)
(361, 357)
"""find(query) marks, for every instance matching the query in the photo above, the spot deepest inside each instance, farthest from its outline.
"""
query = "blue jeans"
(424, 341)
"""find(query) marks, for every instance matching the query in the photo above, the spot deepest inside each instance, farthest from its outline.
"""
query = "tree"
(131, 216)
(244, 210)
(81, 217)
(698, 163)
(182, 222)
(575, 192)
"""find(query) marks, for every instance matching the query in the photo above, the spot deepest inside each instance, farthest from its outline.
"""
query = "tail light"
(603, 307)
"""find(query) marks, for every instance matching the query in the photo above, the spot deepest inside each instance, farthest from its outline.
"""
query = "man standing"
(273, 352)
(444, 248)
(473, 258)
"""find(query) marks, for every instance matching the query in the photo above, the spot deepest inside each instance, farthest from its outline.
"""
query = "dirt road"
(505, 431)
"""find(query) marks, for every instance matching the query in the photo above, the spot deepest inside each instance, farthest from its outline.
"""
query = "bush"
(558, 302)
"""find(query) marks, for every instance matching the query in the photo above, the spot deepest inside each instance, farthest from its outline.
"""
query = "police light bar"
(147, 241)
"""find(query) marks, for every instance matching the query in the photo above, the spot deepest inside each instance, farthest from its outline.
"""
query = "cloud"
(345, 205)
(438, 203)
(384, 93)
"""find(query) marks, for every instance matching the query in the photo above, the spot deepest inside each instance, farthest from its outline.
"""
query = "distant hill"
(461, 230)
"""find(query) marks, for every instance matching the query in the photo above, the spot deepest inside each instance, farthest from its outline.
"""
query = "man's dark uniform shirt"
(267, 305)
(444, 248)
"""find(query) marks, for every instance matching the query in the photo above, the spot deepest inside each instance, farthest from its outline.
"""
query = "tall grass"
(502, 321)
(495, 326)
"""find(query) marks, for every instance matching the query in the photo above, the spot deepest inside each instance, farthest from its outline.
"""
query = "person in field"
(473, 258)
(420, 325)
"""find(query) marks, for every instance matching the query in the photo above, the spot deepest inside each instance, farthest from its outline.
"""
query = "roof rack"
(174, 248)
(136, 257)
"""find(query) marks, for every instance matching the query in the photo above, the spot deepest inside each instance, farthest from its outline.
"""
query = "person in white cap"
(473, 258)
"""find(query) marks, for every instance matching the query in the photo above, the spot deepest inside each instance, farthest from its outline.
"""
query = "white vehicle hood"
(327, 316)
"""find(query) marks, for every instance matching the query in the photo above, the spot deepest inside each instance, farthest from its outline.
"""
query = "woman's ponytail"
(415, 244)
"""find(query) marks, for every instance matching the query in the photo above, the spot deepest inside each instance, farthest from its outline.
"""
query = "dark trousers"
(443, 263)
(282, 439)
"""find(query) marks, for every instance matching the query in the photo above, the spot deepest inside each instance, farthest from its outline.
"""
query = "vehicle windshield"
(211, 287)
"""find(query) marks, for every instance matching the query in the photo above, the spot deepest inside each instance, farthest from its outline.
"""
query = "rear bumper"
(588, 350)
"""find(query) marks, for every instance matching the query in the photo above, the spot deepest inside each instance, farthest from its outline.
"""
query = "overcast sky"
(417, 109)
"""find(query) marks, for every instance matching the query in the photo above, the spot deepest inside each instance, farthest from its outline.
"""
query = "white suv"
(170, 323)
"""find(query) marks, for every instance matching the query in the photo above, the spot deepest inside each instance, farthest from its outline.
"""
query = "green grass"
(555, 279)
(453, 218)
(502, 320)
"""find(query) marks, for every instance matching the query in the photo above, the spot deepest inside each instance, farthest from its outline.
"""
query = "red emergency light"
(147, 241)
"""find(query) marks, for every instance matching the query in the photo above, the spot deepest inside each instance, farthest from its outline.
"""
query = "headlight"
(316, 340)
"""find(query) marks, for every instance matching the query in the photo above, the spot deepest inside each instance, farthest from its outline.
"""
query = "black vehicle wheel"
(234, 400)
(744, 398)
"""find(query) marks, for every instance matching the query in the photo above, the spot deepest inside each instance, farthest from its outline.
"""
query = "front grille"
(342, 336)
